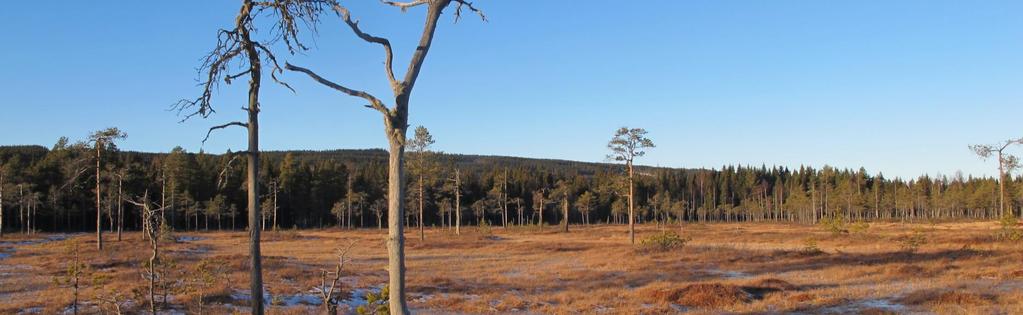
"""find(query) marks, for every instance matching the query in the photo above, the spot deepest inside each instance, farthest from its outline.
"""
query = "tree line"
(55, 189)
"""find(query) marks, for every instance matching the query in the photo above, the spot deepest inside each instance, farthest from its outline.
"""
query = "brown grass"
(741, 268)
(945, 297)
(704, 295)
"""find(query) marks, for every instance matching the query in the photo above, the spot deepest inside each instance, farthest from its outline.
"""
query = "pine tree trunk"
(458, 203)
(395, 216)
(99, 215)
(120, 210)
(256, 264)
(422, 233)
(632, 221)
(1, 203)
(565, 208)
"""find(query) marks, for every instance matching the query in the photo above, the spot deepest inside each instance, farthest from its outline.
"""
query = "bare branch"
(467, 4)
(389, 55)
(423, 48)
(404, 6)
(233, 123)
(375, 103)
(276, 67)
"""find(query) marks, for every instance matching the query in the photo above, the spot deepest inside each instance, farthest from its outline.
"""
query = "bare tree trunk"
(632, 220)
(276, 189)
(504, 200)
(256, 265)
(458, 203)
(99, 215)
(1, 204)
(565, 206)
(540, 211)
(1001, 184)
(422, 235)
(120, 210)
(395, 216)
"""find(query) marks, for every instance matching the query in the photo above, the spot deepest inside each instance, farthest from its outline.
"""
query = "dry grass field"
(958, 268)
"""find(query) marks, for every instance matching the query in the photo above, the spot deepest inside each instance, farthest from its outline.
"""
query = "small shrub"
(664, 241)
(912, 242)
(835, 225)
(859, 227)
(1009, 231)
(484, 229)
(810, 247)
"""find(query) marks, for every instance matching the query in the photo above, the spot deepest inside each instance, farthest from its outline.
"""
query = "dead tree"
(504, 199)
(331, 294)
(626, 145)
(396, 125)
(539, 203)
(102, 140)
(457, 180)
(1006, 163)
(120, 198)
(237, 50)
(1, 202)
(152, 228)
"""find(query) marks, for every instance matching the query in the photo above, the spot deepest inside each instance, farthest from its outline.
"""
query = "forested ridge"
(53, 190)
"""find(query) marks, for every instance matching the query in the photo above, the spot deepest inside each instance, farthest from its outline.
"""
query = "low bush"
(810, 247)
(912, 242)
(664, 241)
(859, 227)
(1009, 230)
(835, 225)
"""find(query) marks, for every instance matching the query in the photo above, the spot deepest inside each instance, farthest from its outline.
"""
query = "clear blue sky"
(900, 87)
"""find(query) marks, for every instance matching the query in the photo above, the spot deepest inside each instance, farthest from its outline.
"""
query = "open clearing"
(742, 268)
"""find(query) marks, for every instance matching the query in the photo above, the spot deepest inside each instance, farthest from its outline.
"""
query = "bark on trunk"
(256, 271)
(632, 221)
(565, 206)
(395, 215)
(458, 203)
(422, 234)
(99, 215)
(1, 205)
(120, 211)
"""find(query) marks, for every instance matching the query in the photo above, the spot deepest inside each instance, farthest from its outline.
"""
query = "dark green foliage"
(376, 303)
(203, 187)
(810, 248)
(835, 225)
(911, 242)
(664, 241)
(1009, 230)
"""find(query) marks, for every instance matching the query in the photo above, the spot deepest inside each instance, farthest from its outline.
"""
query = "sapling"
(207, 273)
(71, 278)
(330, 294)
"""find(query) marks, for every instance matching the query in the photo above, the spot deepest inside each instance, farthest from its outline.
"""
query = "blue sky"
(899, 87)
